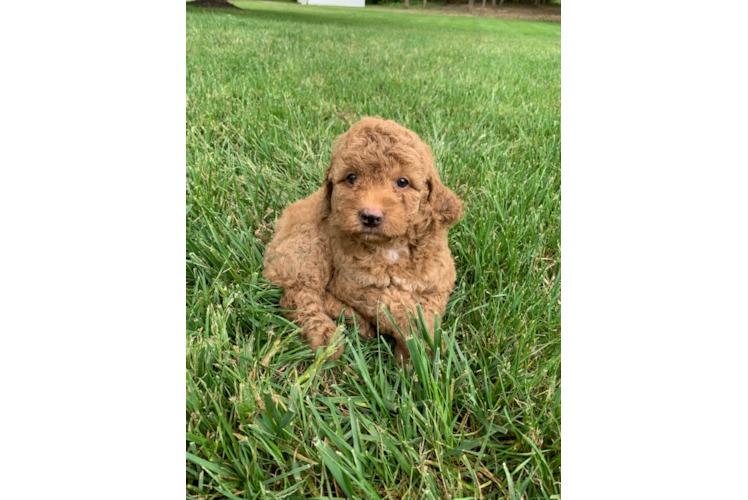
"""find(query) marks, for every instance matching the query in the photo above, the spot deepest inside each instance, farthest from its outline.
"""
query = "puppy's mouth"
(370, 234)
(361, 229)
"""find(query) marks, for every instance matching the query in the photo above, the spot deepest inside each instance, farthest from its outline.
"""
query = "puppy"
(373, 236)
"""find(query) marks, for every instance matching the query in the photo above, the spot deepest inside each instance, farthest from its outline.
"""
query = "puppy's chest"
(383, 269)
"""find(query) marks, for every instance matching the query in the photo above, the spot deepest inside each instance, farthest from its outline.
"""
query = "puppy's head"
(381, 181)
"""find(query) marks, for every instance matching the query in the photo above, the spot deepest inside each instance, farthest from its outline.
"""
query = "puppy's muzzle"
(371, 218)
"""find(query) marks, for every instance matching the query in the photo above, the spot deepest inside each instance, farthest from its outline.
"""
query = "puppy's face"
(381, 180)
(376, 202)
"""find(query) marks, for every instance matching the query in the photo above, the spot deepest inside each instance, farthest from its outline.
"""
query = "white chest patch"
(403, 284)
(393, 255)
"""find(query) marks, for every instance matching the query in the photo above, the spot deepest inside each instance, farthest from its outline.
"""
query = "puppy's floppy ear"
(446, 207)
(326, 205)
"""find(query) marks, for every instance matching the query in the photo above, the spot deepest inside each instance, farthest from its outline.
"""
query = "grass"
(268, 89)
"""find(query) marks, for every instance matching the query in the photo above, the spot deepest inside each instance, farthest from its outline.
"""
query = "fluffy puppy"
(373, 236)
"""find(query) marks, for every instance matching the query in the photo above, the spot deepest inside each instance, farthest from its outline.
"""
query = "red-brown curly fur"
(328, 261)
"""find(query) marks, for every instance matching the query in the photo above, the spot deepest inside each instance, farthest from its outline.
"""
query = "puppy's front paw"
(321, 337)
(366, 330)
(402, 355)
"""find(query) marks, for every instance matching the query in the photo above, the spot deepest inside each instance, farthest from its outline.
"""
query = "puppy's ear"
(446, 207)
(326, 205)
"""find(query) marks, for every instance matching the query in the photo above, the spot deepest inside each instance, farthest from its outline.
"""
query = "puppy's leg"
(306, 308)
(403, 315)
(334, 307)
(399, 330)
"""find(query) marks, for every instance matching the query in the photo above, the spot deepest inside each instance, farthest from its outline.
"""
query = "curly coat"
(364, 241)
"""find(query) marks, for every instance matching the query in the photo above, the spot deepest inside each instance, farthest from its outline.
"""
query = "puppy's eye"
(402, 182)
(351, 178)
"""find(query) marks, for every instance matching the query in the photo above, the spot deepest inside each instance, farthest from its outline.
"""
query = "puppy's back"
(298, 253)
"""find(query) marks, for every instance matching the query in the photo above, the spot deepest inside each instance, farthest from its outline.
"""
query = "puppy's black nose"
(371, 218)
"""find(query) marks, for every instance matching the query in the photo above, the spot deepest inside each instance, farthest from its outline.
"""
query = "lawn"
(268, 89)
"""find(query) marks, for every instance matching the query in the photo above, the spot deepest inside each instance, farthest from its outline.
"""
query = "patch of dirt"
(213, 4)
